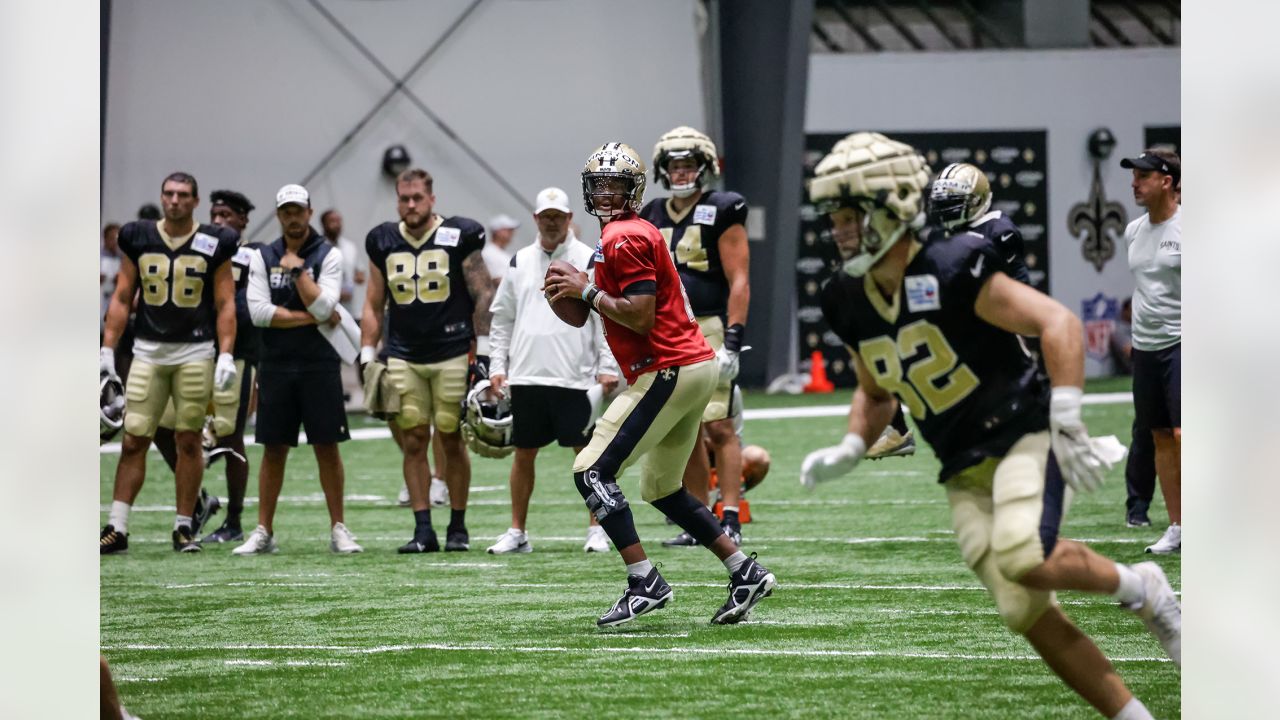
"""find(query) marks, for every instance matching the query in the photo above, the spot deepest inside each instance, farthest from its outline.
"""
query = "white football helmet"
(881, 178)
(110, 407)
(486, 424)
(686, 142)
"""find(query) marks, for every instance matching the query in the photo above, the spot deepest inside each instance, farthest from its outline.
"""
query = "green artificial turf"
(874, 615)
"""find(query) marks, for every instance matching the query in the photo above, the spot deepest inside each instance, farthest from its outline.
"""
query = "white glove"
(728, 361)
(107, 362)
(832, 462)
(1082, 462)
(224, 373)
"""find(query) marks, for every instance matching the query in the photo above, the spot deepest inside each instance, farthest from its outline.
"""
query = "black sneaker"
(734, 531)
(206, 507)
(684, 539)
(1137, 519)
(752, 583)
(227, 533)
(643, 594)
(185, 541)
(413, 546)
(111, 542)
(457, 540)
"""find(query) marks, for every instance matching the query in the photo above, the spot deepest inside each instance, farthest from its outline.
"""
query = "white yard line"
(818, 411)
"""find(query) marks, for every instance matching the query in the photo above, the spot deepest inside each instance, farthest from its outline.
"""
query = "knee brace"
(605, 500)
(692, 516)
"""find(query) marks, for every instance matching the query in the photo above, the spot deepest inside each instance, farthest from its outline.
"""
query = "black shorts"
(1157, 388)
(541, 414)
(246, 394)
(312, 399)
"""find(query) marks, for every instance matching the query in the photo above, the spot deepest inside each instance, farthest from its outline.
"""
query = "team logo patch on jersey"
(204, 244)
(242, 256)
(922, 293)
(448, 237)
(704, 215)
(598, 257)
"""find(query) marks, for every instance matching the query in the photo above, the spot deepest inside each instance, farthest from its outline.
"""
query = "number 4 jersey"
(970, 386)
(175, 279)
(430, 307)
(694, 240)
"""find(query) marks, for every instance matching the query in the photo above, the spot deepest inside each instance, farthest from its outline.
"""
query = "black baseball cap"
(232, 199)
(1162, 162)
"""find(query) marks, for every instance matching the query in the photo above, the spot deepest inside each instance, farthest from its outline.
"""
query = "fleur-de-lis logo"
(668, 373)
(1097, 223)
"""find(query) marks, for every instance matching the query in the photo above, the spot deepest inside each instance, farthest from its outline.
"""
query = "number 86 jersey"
(175, 279)
(429, 305)
(970, 386)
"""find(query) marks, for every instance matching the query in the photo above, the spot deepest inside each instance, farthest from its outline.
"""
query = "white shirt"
(1155, 259)
(261, 309)
(528, 343)
(352, 260)
(496, 260)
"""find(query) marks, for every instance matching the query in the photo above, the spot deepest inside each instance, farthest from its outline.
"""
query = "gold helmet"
(685, 142)
(960, 194)
(609, 163)
(881, 178)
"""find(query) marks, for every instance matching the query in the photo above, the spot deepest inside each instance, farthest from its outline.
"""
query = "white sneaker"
(1160, 611)
(260, 541)
(511, 541)
(342, 541)
(439, 494)
(403, 498)
(1170, 542)
(597, 540)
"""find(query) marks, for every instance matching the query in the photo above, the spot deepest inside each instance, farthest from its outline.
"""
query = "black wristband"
(733, 337)
(593, 297)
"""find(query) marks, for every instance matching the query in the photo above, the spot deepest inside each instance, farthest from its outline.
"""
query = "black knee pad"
(604, 499)
(692, 516)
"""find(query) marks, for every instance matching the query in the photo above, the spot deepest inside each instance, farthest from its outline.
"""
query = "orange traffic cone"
(818, 382)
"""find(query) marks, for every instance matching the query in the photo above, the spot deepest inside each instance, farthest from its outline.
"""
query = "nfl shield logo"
(1099, 314)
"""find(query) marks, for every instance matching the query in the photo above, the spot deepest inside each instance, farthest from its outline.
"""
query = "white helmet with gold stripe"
(883, 180)
(613, 170)
(680, 143)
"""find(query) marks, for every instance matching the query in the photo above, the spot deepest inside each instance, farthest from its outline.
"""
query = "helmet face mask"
(110, 408)
(960, 194)
(486, 424)
(685, 143)
(613, 181)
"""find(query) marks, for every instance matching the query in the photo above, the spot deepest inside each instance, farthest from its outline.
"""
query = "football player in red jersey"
(671, 371)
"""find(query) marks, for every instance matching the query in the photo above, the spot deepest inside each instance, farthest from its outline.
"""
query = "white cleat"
(439, 494)
(259, 542)
(597, 540)
(403, 498)
(1159, 610)
(892, 444)
(1170, 542)
(342, 541)
(511, 541)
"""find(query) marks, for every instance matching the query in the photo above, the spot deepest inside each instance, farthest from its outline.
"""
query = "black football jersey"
(999, 229)
(429, 306)
(970, 386)
(248, 336)
(175, 279)
(694, 240)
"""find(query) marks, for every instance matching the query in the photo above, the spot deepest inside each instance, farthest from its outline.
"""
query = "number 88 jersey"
(175, 279)
(971, 387)
(694, 240)
(429, 306)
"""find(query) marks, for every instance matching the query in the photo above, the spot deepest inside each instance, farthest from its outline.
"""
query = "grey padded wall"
(250, 95)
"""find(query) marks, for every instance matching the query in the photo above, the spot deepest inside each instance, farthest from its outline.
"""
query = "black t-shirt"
(248, 336)
(175, 280)
(430, 307)
(971, 387)
(694, 241)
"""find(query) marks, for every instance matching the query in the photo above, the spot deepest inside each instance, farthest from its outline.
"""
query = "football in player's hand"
(570, 309)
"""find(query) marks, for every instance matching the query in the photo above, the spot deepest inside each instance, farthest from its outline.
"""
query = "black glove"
(478, 370)
(733, 336)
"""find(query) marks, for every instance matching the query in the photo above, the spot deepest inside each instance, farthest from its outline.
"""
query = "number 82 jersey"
(175, 279)
(970, 386)
(429, 305)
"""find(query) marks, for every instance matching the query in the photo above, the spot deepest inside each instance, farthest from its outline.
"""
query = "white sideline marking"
(756, 541)
(383, 433)
(445, 647)
(140, 679)
(788, 586)
(288, 663)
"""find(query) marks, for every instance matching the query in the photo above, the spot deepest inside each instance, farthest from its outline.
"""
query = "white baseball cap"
(552, 198)
(293, 194)
(503, 222)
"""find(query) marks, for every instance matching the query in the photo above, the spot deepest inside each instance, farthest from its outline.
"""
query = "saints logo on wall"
(1097, 222)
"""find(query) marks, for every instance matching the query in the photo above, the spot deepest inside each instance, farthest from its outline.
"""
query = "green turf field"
(874, 616)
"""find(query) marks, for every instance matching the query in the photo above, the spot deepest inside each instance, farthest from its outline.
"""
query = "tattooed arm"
(480, 285)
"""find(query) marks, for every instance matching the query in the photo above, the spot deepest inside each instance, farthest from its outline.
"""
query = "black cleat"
(457, 540)
(226, 533)
(111, 542)
(643, 594)
(185, 541)
(684, 539)
(206, 507)
(749, 585)
(413, 546)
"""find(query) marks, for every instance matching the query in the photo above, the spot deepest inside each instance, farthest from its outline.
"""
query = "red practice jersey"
(632, 251)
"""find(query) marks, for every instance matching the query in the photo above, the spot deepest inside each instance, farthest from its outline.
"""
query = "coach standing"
(294, 285)
(1155, 259)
